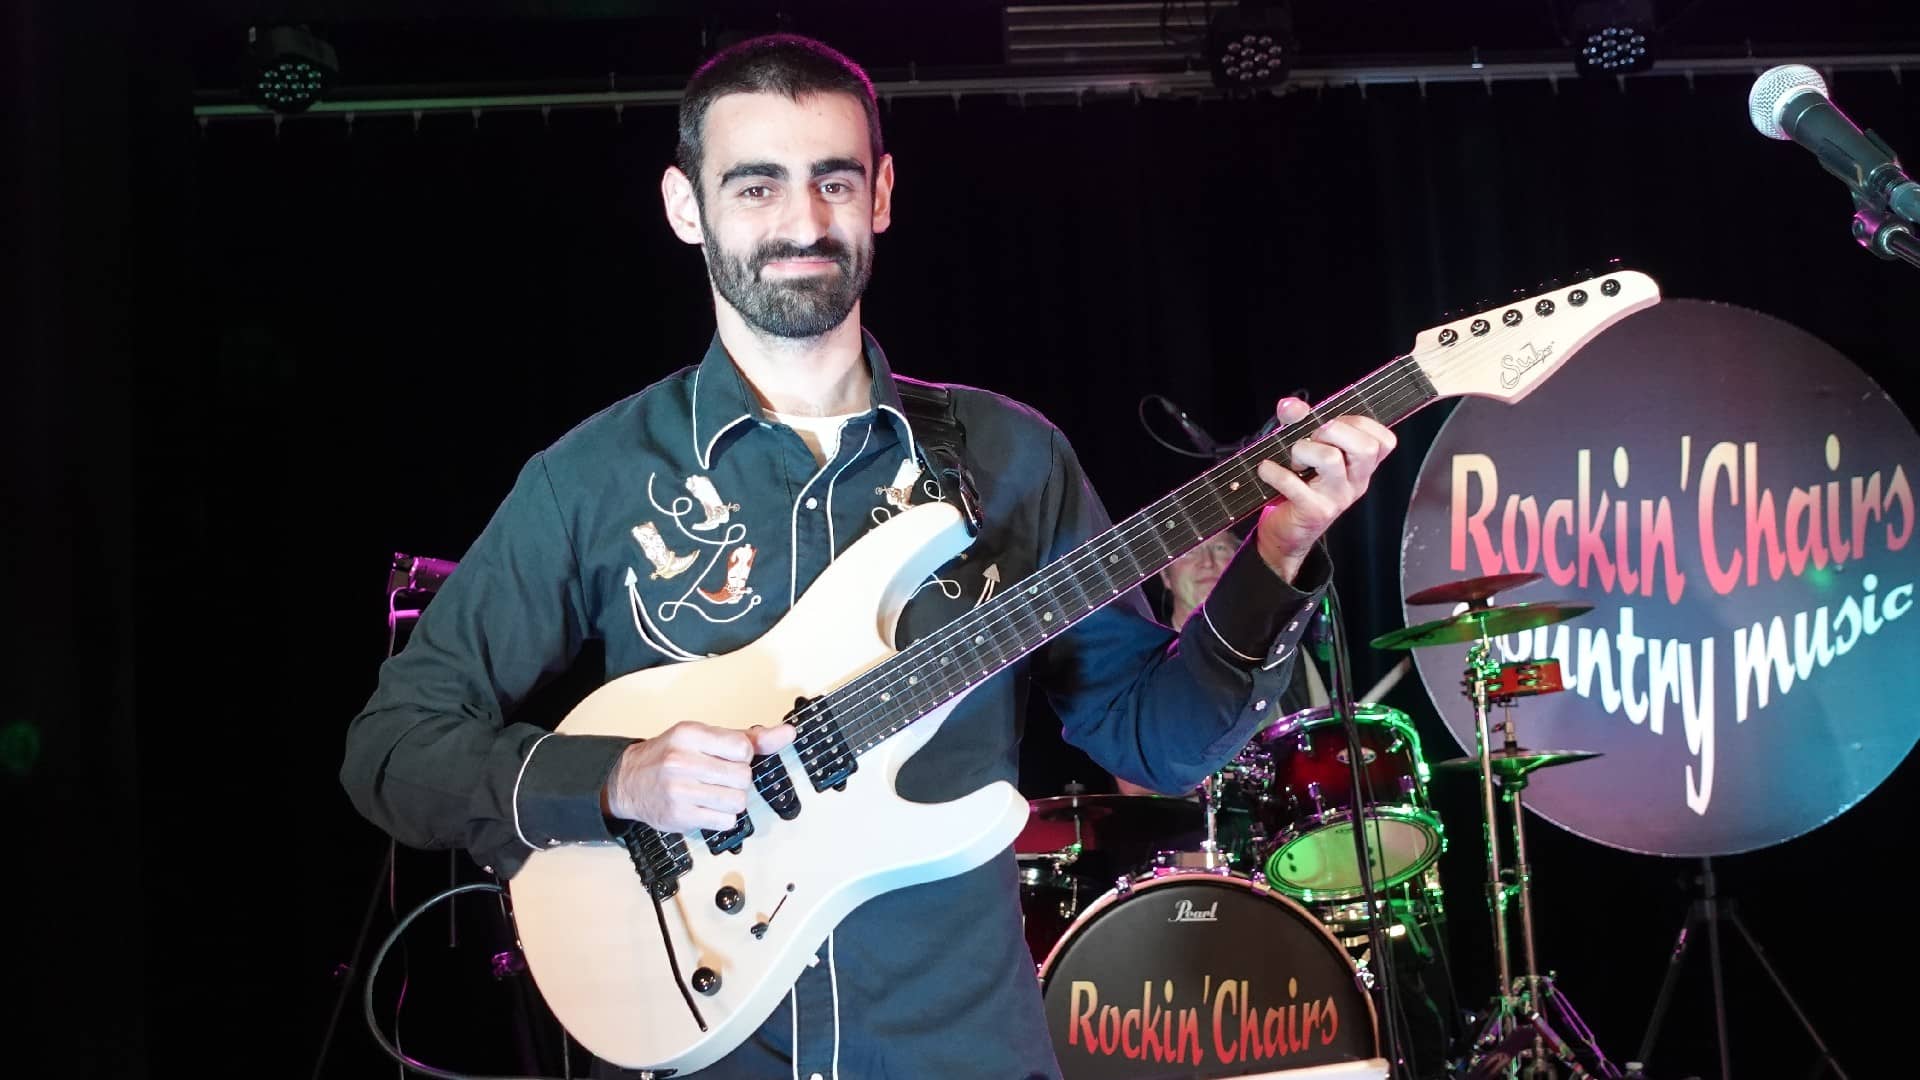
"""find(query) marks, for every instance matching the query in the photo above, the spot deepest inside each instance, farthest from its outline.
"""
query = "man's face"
(1192, 576)
(791, 200)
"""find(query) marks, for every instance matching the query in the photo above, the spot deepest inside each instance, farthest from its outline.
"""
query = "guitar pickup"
(771, 780)
(824, 751)
(729, 839)
(659, 858)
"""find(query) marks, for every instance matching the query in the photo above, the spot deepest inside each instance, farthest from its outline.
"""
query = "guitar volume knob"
(729, 899)
(706, 981)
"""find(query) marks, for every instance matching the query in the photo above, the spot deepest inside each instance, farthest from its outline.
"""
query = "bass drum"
(1194, 973)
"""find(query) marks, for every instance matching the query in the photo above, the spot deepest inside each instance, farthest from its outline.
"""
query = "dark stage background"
(253, 366)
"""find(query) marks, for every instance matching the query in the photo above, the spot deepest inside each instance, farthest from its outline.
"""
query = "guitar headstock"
(1506, 351)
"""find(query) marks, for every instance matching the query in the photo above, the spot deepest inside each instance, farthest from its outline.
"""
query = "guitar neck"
(972, 648)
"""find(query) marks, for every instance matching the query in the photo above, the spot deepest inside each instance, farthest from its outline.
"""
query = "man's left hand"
(1343, 454)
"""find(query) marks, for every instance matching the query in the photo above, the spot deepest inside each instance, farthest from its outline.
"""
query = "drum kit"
(1231, 929)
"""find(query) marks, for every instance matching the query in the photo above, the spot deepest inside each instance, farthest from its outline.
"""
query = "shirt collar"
(722, 400)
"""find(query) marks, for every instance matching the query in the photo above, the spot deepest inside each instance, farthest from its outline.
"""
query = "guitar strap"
(943, 441)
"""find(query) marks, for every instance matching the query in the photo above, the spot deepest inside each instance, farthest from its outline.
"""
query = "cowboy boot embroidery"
(665, 563)
(900, 495)
(703, 490)
(739, 565)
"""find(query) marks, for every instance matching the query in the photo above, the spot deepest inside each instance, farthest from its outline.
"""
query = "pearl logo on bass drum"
(1184, 911)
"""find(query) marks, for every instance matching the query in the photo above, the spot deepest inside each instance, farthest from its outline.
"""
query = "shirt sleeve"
(1154, 708)
(433, 758)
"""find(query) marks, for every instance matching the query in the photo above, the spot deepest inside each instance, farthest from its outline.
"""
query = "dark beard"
(797, 308)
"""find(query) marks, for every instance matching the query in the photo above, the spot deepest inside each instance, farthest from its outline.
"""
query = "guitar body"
(583, 916)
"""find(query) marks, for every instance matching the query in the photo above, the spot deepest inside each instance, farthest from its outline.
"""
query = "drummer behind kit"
(1265, 858)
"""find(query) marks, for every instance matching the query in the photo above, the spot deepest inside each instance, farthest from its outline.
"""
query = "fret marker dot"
(886, 697)
(980, 640)
(1169, 524)
(913, 680)
(1115, 557)
(1235, 486)
(1048, 617)
(1033, 590)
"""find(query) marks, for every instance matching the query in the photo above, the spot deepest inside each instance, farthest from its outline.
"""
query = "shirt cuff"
(1250, 606)
(556, 796)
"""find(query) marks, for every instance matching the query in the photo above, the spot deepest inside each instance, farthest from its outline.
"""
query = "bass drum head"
(1193, 973)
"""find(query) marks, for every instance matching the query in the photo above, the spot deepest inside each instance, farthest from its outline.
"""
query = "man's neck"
(823, 376)
(1181, 613)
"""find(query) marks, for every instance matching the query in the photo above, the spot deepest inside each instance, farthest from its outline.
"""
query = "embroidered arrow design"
(992, 586)
(644, 626)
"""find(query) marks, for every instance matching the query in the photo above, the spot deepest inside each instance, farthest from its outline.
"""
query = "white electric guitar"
(663, 952)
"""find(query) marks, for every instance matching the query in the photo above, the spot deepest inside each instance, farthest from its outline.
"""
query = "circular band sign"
(1735, 499)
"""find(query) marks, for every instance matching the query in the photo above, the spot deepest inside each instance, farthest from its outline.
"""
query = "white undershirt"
(820, 433)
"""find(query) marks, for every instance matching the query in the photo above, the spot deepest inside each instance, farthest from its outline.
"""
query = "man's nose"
(807, 218)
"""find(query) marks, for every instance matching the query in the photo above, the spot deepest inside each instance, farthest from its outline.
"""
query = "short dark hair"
(771, 64)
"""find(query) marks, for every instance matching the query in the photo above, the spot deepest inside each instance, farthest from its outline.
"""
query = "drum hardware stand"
(1517, 1038)
(1711, 908)
(1379, 949)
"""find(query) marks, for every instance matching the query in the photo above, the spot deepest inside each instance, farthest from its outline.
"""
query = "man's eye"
(835, 187)
(755, 191)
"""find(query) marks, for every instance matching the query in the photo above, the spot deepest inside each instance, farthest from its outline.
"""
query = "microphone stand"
(1378, 947)
(1885, 234)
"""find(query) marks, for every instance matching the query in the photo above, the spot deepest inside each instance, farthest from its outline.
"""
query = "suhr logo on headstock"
(1514, 365)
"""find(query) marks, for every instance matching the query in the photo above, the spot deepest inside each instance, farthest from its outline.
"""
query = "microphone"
(1201, 439)
(423, 572)
(1790, 102)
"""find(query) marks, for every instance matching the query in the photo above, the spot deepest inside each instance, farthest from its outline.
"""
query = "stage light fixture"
(288, 68)
(1251, 45)
(1613, 37)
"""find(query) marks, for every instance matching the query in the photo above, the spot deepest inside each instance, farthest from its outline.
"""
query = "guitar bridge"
(659, 858)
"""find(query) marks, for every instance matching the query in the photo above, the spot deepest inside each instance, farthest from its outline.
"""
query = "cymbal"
(1470, 624)
(1471, 589)
(1516, 761)
(1134, 823)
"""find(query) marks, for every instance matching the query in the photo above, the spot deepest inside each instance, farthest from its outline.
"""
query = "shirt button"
(815, 1076)
(1260, 706)
(813, 504)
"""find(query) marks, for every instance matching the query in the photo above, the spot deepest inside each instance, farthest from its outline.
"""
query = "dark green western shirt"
(681, 522)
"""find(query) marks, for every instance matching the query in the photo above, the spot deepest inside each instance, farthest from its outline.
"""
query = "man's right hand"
(690, 776)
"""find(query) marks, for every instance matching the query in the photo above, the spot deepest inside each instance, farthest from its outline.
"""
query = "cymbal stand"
(1209, 808)
(1517, 1038)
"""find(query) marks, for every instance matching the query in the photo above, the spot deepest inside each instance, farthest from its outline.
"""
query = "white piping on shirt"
(516, 789)
(793, 537)
(1223, 640)
(793, 1042)
(705, 456)
(833, 979)
(643, 624)
(912, 447)
(832, 551)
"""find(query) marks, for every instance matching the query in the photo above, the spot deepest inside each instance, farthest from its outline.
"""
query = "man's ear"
(683, 208)
(883, 194)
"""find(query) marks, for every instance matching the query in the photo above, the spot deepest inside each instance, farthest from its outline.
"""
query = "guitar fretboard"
(987, 639)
